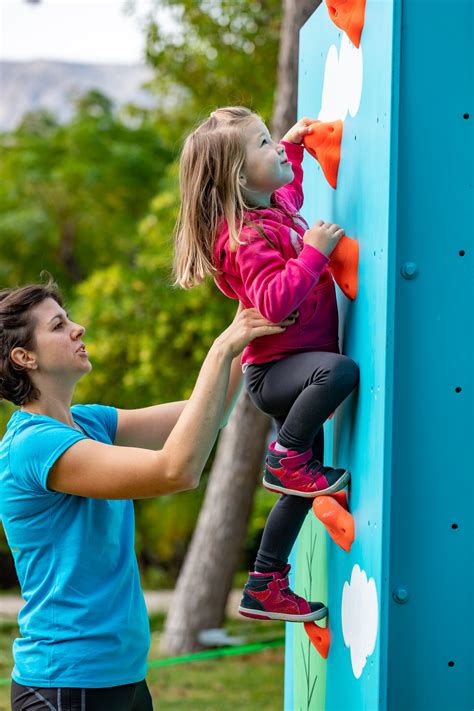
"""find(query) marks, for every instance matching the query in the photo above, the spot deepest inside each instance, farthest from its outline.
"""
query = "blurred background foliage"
(94, 202)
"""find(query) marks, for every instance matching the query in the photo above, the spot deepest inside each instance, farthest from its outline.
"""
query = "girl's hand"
(323, 236)
(247, 325)
(299, 131)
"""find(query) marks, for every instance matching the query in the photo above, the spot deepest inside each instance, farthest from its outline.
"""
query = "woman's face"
(266, 166)
(58, 348)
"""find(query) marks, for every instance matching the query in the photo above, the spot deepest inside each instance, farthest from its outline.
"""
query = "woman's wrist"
(221, 351)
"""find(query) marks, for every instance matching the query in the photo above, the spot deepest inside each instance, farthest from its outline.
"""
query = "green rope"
(208, 654)
(214, 653)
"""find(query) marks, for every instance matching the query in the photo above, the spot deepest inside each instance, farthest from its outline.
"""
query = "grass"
(253, 682)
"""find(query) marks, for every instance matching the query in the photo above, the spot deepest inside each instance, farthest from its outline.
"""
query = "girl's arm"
(292, 194)
(276, 287)
(292, 141)
(93, 469)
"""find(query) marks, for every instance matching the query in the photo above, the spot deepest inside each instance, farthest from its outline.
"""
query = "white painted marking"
(343, 80)
(360, 618)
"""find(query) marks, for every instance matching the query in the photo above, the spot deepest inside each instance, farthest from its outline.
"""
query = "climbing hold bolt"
(409, 270)
(400, 595)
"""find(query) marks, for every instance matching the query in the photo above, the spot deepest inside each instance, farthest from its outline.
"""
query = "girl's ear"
(23, 358)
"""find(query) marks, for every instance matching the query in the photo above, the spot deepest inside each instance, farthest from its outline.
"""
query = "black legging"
(299, 392)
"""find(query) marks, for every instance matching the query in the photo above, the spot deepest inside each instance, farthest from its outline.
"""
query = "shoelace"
(290, 592)
(315, 465)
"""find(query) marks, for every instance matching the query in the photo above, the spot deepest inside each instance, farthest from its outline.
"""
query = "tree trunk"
(206, 577)
(66, 251)
(295, 14)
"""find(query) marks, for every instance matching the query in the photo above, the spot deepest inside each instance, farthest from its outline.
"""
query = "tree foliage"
(71, 195)
(223, 52)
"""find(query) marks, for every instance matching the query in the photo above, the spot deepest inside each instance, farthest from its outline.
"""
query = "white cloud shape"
(343, 78)
(360, 618)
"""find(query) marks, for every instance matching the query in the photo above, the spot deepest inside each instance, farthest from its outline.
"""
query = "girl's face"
(58, 349)
(266, 166)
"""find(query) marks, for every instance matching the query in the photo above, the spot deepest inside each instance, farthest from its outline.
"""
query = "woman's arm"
(93, 469)
(150, 427)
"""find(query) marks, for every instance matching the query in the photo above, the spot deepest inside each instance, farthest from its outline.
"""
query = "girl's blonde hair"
(211, 165)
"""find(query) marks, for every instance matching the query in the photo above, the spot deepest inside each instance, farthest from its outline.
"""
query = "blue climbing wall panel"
(430, 651)
(338, 81)
(405, 192)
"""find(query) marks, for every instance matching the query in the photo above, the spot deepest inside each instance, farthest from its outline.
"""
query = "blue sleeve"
(35, 449)
(110, 417)
(100, 421)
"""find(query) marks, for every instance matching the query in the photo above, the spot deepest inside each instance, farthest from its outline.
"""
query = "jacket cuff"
(312, 259)
(293, 151)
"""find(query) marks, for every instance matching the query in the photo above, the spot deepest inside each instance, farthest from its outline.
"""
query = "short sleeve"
(99, 421)
(109, 418)
(36, 448)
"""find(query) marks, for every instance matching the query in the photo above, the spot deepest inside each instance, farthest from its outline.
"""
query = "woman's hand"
(247, 325)
(324, 236)
(299, 131)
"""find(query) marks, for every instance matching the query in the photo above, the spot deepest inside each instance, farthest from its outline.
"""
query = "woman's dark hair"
(17, 326)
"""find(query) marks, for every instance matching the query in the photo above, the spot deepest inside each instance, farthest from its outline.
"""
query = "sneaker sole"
(337, 486)
(309, 617)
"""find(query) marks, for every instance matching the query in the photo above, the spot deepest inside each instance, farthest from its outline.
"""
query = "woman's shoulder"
(25, 425)
(29, 448)
(26, 429)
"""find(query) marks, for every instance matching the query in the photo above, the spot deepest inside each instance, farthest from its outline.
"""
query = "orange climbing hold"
(348, 15)
(332, 511)
(319, 636)
(344, 266)
(324, 144)
(341, 498)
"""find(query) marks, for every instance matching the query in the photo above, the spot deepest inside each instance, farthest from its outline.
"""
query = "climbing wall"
(339, 81)
(430, 587)
(406, 435)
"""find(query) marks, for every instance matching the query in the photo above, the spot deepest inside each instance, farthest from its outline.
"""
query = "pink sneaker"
(267, 596)
(300, 474)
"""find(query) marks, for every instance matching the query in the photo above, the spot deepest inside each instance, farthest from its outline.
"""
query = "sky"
(95, 31)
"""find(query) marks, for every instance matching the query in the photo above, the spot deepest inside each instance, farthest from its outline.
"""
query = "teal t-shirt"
(84, 623)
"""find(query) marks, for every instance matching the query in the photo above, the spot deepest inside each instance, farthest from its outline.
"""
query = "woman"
(67, 479)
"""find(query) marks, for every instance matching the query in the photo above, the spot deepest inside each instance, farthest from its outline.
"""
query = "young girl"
(239, 222)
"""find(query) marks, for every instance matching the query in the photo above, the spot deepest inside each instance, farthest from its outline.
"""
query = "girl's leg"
(267, 594)
(284, 524)
(302, 390)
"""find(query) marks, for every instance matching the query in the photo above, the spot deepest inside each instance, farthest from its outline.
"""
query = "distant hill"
(26, 86)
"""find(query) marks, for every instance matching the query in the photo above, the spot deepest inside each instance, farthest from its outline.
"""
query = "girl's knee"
(347, 373)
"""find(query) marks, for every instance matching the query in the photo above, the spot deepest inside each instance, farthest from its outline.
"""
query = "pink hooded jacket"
(281, 277)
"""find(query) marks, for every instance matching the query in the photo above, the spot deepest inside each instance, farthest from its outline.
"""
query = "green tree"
(222, 52)
(71, 195)
(147, 337)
